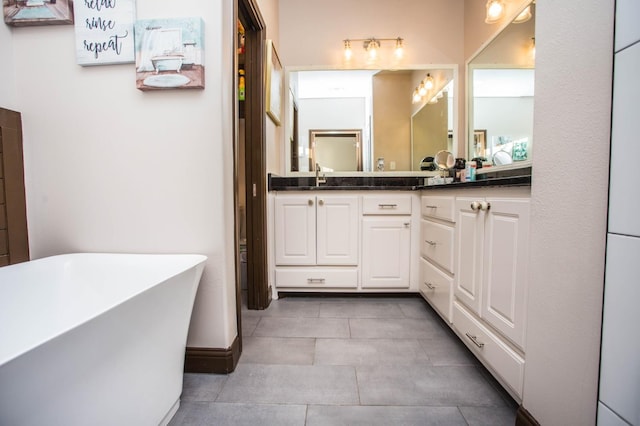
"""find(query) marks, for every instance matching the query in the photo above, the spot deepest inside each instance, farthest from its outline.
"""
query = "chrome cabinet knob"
(475, 206)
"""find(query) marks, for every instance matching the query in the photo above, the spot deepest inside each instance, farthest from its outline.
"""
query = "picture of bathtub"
(95, 339)
(169, 54)
(22, 13)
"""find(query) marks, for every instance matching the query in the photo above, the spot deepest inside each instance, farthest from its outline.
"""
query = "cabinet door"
(337, 230)
(506, 252)
(295, 230)
(468, 253)
(386, 247)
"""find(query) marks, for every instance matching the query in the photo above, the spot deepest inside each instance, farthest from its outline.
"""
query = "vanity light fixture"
(524, 16)
(428, 82)
(416, 97)
(495, 11)
(422, 89)
(348, 53)
(533, 48)
(399, 52)
(372, 45)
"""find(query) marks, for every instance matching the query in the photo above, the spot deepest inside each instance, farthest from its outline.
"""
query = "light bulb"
(428, 82)
(373, 49)
(399, 52)
(524, 16)
(416, 97)
(347, 50)
(495, 10)
(422, 90)
(533, 48)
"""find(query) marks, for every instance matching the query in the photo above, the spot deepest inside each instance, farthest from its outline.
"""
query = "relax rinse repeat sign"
(104, 31)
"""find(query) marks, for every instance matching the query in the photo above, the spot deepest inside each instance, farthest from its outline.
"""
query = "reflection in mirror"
(500, 97)
(378, 104)
(430, 128)
(336, 150)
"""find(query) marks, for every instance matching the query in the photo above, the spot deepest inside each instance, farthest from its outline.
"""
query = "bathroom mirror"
(380, 104)
(501, 92)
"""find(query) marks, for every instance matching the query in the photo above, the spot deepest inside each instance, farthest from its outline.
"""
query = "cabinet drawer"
(437, 288)
(386, 204)
(490, 348)
(436, 243)
(316, 278)
(438, 207)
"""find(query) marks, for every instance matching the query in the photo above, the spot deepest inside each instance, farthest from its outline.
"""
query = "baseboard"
(524, 418)
(212, 360)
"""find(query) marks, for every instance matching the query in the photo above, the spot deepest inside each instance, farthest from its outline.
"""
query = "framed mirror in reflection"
(501, 93)
(395, 131)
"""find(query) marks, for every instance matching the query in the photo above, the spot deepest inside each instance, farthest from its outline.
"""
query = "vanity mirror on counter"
(500, 95)
(372, 118)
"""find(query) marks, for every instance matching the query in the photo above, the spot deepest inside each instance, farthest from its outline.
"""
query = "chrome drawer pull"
(315, 280)
(474, 339)
(430, 286)
(431, 243)
(387, 206)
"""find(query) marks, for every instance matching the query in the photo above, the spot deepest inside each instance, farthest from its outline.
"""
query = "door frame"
(259, 297)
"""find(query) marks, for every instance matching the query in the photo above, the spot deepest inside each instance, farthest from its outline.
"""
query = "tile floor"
(347, 361)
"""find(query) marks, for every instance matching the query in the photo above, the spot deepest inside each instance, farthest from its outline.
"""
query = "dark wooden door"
(14, 240)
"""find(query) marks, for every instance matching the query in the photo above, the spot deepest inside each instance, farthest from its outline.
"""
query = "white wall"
(274, 134)
(329, 113)
(574, 44)
(511, 117)
(7, 75)
(111, 168)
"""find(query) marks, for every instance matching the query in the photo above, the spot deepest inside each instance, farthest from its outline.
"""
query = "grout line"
(462, 414)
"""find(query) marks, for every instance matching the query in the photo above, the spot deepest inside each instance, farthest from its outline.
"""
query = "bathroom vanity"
(463, 247)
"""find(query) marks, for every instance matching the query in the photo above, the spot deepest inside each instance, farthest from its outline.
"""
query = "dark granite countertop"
(520, 177)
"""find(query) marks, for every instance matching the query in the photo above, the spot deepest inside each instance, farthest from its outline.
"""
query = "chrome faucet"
(319, 180)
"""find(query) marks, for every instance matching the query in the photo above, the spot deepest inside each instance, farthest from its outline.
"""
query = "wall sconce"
(372, 45)
(495, 11)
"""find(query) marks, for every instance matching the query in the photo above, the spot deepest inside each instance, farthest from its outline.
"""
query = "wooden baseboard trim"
(212, 360)
(524, 418)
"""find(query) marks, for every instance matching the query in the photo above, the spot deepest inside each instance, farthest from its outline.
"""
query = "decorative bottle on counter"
(470, 171)
(241, 90)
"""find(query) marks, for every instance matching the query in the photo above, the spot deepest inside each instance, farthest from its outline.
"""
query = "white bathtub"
(95, 339)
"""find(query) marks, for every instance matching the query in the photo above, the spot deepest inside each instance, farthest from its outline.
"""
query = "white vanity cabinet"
(491, 258)
(436, 252)
(386, 241)
(316, 240)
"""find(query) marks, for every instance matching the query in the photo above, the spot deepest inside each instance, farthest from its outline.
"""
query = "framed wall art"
(22, 13)
(274, 83)
(104, 31)
(169, 53)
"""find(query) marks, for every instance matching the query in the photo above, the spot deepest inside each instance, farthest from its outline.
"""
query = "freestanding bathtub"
(95, 339)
